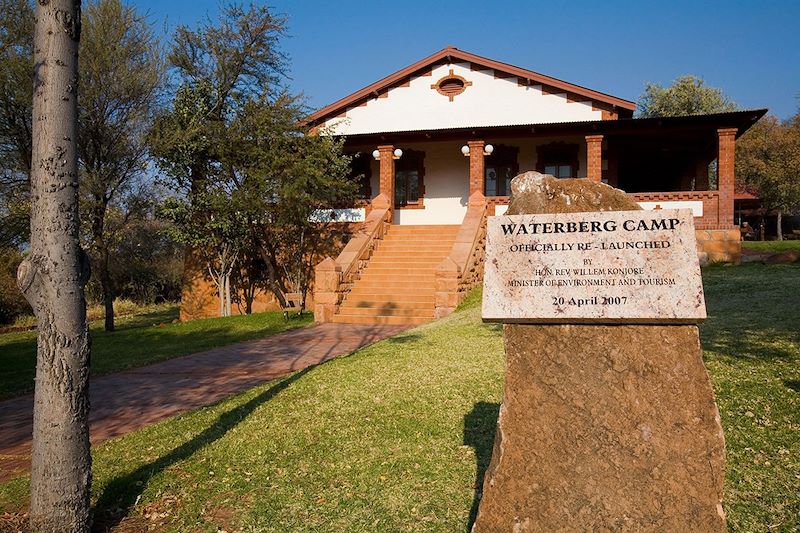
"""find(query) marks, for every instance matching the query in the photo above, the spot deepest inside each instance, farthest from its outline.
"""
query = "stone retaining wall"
(719, 245)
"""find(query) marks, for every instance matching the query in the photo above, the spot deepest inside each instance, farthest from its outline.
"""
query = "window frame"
(411, 160)
(503, 156)
(558, 154)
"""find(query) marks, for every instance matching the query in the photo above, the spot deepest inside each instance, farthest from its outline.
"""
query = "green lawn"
(140, 340)
(772, 246)
(396, 436)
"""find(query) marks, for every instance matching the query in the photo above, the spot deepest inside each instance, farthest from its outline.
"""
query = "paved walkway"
(129, 400)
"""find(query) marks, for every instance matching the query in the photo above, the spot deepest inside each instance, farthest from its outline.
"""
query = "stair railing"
(333, 279)
(462, 269)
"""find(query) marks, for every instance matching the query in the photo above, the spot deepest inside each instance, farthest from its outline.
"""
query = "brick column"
(327, 276)
(477, 174)
(594, 158)
(385, 197)
(725, 175)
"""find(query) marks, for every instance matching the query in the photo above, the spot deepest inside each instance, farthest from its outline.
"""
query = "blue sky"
(749, 49)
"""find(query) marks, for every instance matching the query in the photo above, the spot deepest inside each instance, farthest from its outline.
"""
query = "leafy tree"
(768, 163)
(285, 179)
(688, 95)
(121, 75)
(219, 68)
(16, 107)
(213, 226)
(52, 279)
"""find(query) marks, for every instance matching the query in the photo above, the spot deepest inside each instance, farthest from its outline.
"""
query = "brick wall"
(712, 214)
(476, 167)
(594, 157)
(725, 173)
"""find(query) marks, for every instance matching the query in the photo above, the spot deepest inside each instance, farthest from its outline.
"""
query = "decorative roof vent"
(451, 85)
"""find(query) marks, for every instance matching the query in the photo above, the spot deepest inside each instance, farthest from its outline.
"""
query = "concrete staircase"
(398, 284)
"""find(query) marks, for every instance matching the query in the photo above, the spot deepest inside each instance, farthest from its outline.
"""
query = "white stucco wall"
(446, 186)
(489, 101)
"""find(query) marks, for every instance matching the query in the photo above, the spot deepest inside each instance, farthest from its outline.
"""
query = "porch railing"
(462, 269)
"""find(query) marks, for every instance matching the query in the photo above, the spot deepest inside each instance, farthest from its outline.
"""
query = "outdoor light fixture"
(397, 154)
(487, 150)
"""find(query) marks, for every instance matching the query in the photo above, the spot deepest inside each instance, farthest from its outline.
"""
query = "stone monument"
(608, 420)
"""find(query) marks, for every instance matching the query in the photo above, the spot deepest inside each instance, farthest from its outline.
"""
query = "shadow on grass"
(479, 429)
(792, 384)
(120, 495)
(160, 316)
(404, 338)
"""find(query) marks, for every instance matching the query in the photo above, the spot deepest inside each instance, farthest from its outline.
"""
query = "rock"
(602, 428)
(790, 256)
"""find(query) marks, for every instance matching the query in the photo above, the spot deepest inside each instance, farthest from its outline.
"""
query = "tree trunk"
(780, 221)
(226, 293)
(221, 294)
(52, 279)
(100, 248)
(108, 294)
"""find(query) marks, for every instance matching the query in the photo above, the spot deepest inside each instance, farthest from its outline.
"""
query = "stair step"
(369, 286)
(401, 271)
(408, 228)
(398, 284)
(391, 295)
(380, 259)
(389, 320)
(388, 303)
(427, 278)
(387, 311)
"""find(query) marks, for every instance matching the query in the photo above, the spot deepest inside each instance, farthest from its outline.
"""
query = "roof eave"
(452, 52)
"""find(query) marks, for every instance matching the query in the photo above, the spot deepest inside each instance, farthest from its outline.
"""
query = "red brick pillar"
(594, 158)
(477, 175)
(327, 276)
(725, 175)
(385, 197)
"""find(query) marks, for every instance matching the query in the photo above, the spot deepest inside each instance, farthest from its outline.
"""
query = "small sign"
(630, 267)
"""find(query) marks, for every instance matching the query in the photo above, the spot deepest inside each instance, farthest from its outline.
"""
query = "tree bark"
(100, 247)
(780, 221)
(52, 279)
(108, 293)
(221, 294)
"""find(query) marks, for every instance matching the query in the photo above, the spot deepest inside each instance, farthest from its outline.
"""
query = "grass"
(140, 340)
(772, 246)
(396, 436)
(752, 351)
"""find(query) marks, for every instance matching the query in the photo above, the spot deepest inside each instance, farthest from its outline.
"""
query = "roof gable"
(527, 80)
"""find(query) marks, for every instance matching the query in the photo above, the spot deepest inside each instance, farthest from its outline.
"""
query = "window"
(560, 170)
(500, 169)
(451, 85)
(361, 171)
(558, 159)
(408, 179)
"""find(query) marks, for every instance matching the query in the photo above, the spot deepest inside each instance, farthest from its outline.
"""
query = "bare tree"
(52, 279)
(121, 73)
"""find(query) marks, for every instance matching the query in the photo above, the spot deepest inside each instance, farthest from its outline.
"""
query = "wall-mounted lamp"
(397, 154)
(487, 150)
